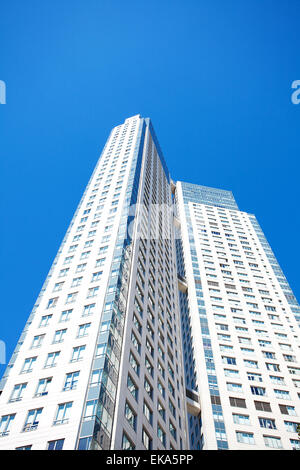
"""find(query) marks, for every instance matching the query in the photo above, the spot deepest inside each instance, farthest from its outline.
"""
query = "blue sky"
(214, 76)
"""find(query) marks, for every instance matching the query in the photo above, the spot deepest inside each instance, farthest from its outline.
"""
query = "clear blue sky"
(215, 77)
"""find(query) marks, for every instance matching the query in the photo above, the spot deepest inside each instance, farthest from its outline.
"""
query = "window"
(59, 336)
(135, 342)
(132, 387)
(274, 442)
(291, 426)
(5, 424)
(76, 281)
(55, 445)
(96, 377)
(88, 309)
(42, 388)
(231, 373)
(77, 353)
(63, 272)
(63, 413)
(71, 297)
(96, 276)
(80, 267)
(161, 434)
(84, 255)
(277, 380)
(282, 394)
(51, 359)
(258, 390)
(83, 330)
(233, 387)
(273, 367)
(65, 315)
(71, 381)
(52, 302)
(126, 443)
(58, 286)
(148, 388)
(239, 402)
(93, 292)
(28, 364)
(146, 439)
(249, 363)
(130, 416)
(32, 420)
(149, 367)
(100, 350)
(37, 341)
(90, 410)
(45, 320)
(241, 419)
(262, 406)
(245, 437)
(267, 423)
(134, 364)
(229, 360)
(105, 326)
(288, 410)
(17, 392)
(99, 262)
(147, 412)
(161, 410)
(172, 430)
(252, 376)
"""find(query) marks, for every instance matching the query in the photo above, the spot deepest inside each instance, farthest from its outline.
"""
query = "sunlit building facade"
(99, 363)
(240, 327)
(165, 322)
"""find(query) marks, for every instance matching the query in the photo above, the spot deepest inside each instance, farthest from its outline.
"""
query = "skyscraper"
(99, 363)
(165, 321)
(240, 326)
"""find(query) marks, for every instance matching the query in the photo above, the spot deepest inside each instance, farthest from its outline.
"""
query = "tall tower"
(99, 363)
(240, 327)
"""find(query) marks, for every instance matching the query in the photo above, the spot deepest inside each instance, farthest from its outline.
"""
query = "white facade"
(68, 377)
(108, 360)
(238, 327)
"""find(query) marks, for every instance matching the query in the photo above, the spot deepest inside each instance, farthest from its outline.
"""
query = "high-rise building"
(165, 321)
(240, 327)
(99, 363)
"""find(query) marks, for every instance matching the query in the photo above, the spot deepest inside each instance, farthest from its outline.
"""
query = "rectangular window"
(5, 424)
(63, 413)
(42, 388)
(28, 365)
(17, 392)
(71, 381)
(55, 445)
(51, 360)
(147, 441)
(241, 419)
(274, 442)
(32, 420)
(245, 437)
(130, 416)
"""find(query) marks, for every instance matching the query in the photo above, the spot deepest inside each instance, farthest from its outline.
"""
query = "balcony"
(173, 187)
(192, 402)
(182, 284)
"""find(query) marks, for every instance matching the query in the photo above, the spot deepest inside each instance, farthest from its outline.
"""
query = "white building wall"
(221, 236)
(100, 193)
